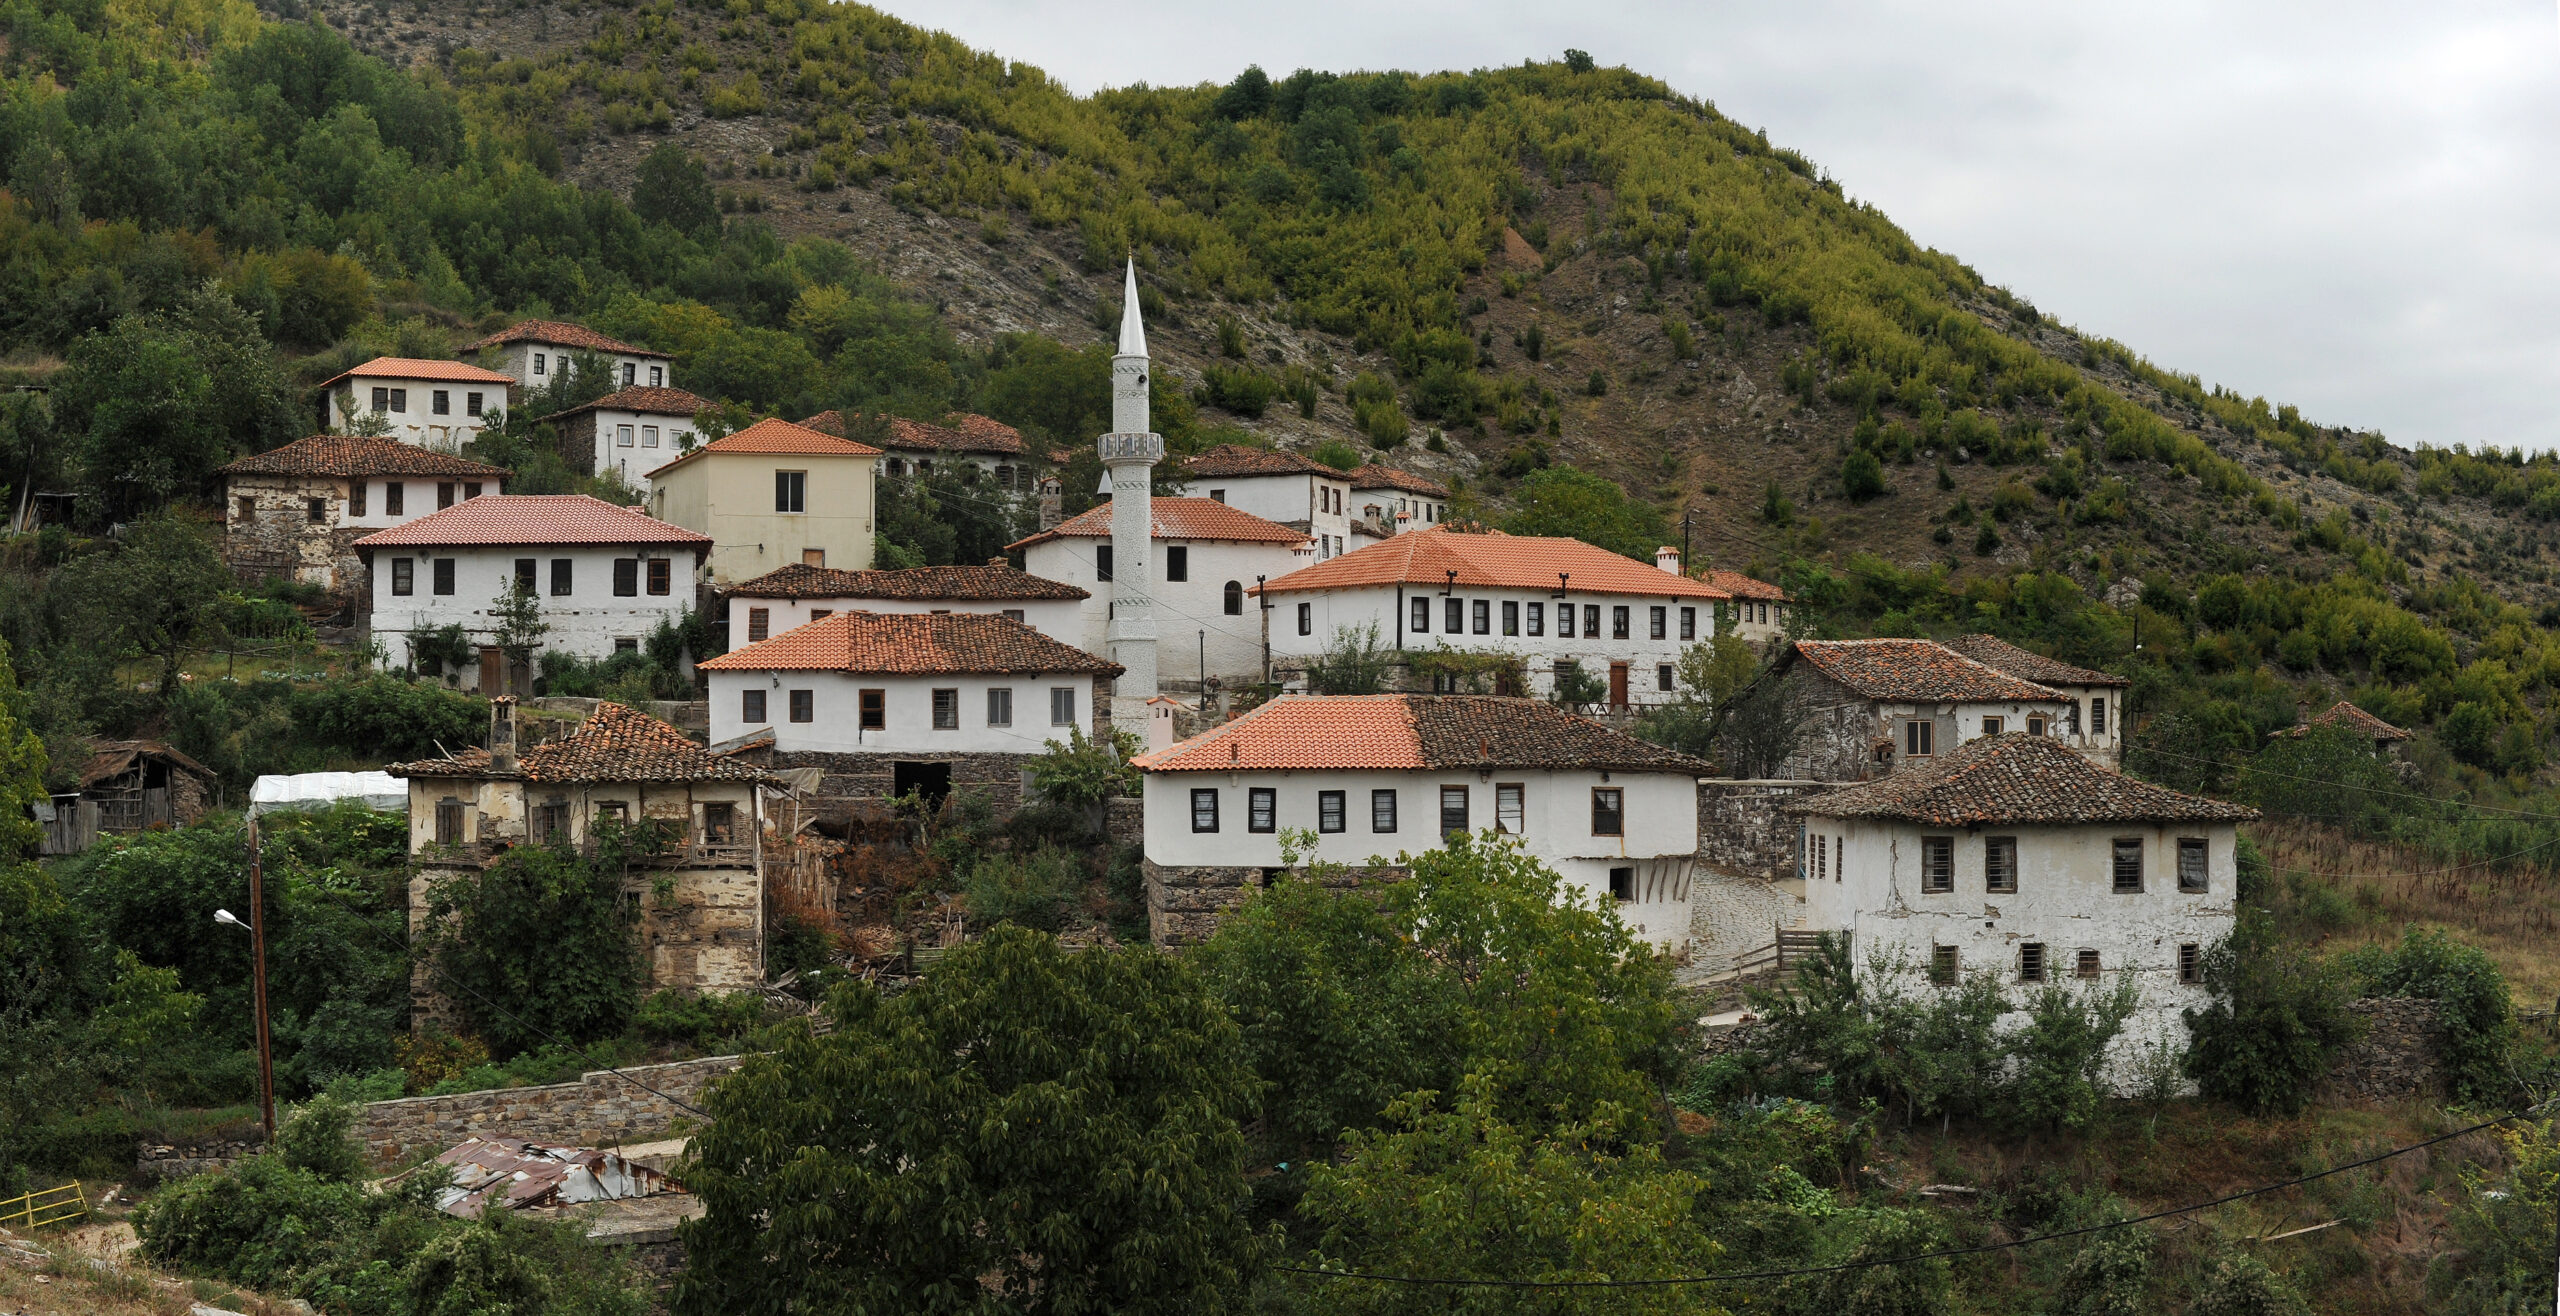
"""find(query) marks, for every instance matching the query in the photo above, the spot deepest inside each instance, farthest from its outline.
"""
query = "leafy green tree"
(2062, 1051)
(1028, 1129)
(1357, 662)
(541, 944)
(1862, 476)
(157, 594)
(671, 189)
(2477, 1010)
(1775, 507)
(2276, 1020)
(152, 404)
(1084, 771)
(1578, 505)
(1337, 454)
(517, 612)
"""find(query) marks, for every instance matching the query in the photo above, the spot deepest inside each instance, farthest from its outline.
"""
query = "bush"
(2478, 1013)
(708, 1021)
(2277, 1019)
(262, 1223)
(1862, 477)
(1037, 890)
(540, 945)
(317, 1138)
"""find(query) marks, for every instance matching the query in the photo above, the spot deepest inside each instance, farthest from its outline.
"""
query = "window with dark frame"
(2000, 864)
(1332, 810)
(1511, 616)
(1382, 811)
(1919, 738)
(315, 510)
(355, 497)
(946, 710)
(661, 576)
(440, 403)
(2097, 715)
(1453, 809)
(1453, 616)
(1537, 619)
(759, 624)
(1608, 811)
(1177, 562)
(471, 404)
(719, 824)
(394, 495)
(1688, 623)
(1306, 619)
(563, 576)
(449, 821)
(804, 705)
(1660, 622)
(2193, 876)
(2085, 964)
(1591, 621)
(1062, 706)
(1937, 864)
(1992, 726)
(790, 491)
(1662, 676)
(1622, 884)
(1422, 616)
(1942, 966)
(751, 706)
(2191, 962)
(872, 710)
(2031, 961)
(1262, 809)
(2128, 865)
(525, 570)
(2035, 724)
(382, 399)
(550, 822)
(1232, 597)
(626, 577)
(444, 575)
(1564, 621)
(1483, 610)
(404, 575)
(1204, 809)
(1618, 615)
(444, 494)
(400, 401)
(1102, 562)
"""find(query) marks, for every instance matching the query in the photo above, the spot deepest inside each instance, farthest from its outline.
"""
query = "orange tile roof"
(775, 437)
(643, 399)
(1374, 476)
(1237, 459)
(404, 367)
(2015, 778)
(911, 644)
(559, 332)
(1490, 560)
(959, 433)
(494, 519)
(615, 743)
(1745, 587)
(2028, 665)
(1175, 518)
(355, 454)
(2345, 714)
(1307, 732)
(1916, 671)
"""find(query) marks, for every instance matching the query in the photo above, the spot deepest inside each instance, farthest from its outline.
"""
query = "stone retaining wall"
(1743, 829)
(600, 1109)
(2400, 1056)
(1185, 905)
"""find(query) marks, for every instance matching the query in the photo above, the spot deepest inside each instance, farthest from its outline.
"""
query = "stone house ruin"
(298, 511)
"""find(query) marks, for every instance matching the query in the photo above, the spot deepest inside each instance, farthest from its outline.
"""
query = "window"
(1177, 562)
(1204, 810)
(626, 577)
(1608, 811)
(751, 707)
(1000, 707)
(2097, 715)
(1688, 623)
(1564, 621)
(1919, 738)
(1484, 616)
(1217, 495)
(471, 404)
(648, 436)
(393, 493)
(1821, 858)
(444, 575)
(1422, 616)
(440, 403)
(1102, 562)
(315, 510)
(2191, 865)
(1453, 809)
(2000, 864)
(1382, 811)
(2031, 961)
(538, 363)
(404, 575)
(2191, 962)
(355, 497)
(1942, 965)
(400, 401)
(791, 491)
(2085, 964)
(1937, 864)
(1661, 623)
(946, 710)
(872, 710)
(444, 494)
(2035, 725)
(470, 489)
(804, 706)
(759, 624)
(719, 824)
(1622, 884)
(550, 822)
(1992, 726)
(1510, 811)
(2128, 865)
(661, 575)
(657, 376)
(1662, 676)
(813, 557)
(1453, 616)
(1231, 597)
(626, 644)
(1262, 809)
(562, 570)
(1306, 619)
(1618, 622)
(1510, 617)
(525, 568)
(630, 374)
(1062, 706)
(1591, 620)
(1331, 808)
(1009, 614)
(1537, 619)
(382, 399)
(448, 821)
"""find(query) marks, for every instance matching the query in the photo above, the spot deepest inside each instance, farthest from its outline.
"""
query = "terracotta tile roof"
(996, 580)
(1175, 518)
(2028, 665)
(1376, 732)
(359, 454)
(911, 643)
(775, 437)
(615, 743)
(2345, 714)
(1374, 476)
(403, 367)
(960, 433)
(1745, 587)
(2016, 778)
(533, 519)
(1490, 560)
(643, 399)
(560, 332)
(1916, 671)
(1236, 459)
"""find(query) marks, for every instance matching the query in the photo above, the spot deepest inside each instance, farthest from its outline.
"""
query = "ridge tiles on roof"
(1405, 731)
(2016, 778)
(1492, 560)
(1916, 671)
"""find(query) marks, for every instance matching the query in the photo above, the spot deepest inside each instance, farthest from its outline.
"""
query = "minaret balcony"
(1131, 447)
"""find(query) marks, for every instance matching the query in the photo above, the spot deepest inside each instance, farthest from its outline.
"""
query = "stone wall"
(2400, 1055)
(601, 1109)
(281, 539)
(1124, 820)
(1185, 905)
(1743, 829)
(853, 783)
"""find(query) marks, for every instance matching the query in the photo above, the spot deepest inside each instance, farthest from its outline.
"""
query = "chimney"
(1667, 558)
(1052, 503)
(502, 733)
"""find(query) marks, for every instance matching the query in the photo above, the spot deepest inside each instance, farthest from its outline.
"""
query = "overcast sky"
(2346, 205)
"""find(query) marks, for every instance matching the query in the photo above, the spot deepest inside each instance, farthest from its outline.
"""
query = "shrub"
(1083, 772)
(317, 1138)
(2276, 1020)
(1337, 454)
(1037, 890)
(1241, 389)
(705, 1020)
(540, 945)
(261, 1223)
(1862, 476)
(2478, 1013)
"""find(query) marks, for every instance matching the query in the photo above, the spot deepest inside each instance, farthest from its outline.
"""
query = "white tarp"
(304, 791)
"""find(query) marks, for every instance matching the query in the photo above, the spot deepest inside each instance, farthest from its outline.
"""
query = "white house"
(437, 404)
(1284, 487)
(1551, 604)
(1208, 556)
(912, 447)
(2016, 856)
(2093, 711)
(1379, 777)
(1870, 707)
(790, 597)
(1387, 502)
(630, 432)
(297, 511)
(606, 576)
(887, 703)
(1758, 611)
(536, 353)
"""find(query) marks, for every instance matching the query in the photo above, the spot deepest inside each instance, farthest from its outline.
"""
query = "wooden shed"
(128, 786)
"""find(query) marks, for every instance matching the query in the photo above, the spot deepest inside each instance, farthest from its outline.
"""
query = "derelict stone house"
(1868, 707)
(468, 809)
(298, 511)
(127, 786)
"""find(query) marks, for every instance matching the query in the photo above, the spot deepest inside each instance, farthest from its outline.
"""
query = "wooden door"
(1617, 685)
(493, 671)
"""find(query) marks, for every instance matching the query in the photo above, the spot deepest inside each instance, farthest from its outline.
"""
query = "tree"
(1355, 663)
(1763, 726)
(157, 594)
(540, 945)
(517, 612)
(1575, 504)
(1028, 1129)
(2276, 1020)
(671, 189)
(152, 404)
(1775, 507)
(1085, 771)
(1862, 476)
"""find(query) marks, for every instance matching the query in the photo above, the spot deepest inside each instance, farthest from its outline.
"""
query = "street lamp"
(257, 930)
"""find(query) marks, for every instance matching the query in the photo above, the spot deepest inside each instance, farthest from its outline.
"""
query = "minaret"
(1129, 454)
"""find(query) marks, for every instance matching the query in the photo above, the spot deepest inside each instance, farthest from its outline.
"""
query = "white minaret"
(1129, 454)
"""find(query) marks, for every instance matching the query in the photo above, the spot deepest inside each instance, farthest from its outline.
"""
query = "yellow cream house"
(770, 495)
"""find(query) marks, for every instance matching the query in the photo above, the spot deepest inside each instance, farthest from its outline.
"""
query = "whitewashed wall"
(418, 499)
(586, 621)
(1325, 505)
(655, 440)
(1186, 610)
(517, 359)
(836, 725)
(416, 422)
(1059, 619)
(1391, 612)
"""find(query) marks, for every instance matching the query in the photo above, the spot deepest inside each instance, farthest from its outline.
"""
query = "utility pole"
(257, 926)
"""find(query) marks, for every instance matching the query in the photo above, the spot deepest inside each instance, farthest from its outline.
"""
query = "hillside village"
(715, 658)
